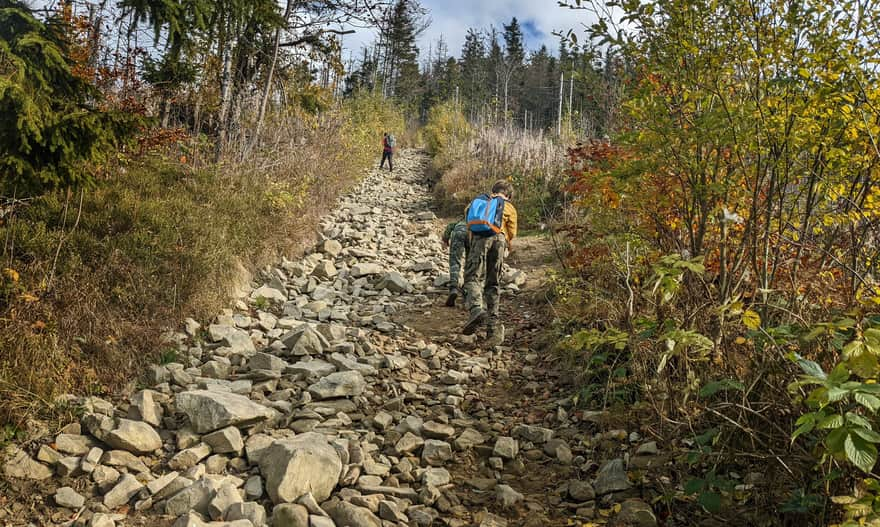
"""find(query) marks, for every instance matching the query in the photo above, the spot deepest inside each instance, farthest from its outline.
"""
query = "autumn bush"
(731, 229)
(92, 278)
(468, 159)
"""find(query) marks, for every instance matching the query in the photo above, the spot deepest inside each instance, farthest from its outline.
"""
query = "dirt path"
(339, 392)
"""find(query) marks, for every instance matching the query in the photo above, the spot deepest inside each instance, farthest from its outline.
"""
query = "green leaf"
(713, 387)
(711, 501)
(805, 428)
(868, 435)
(839, 375)
(870, 402)
(694, 486)
(835, 440)
(831, 421)
(853, 349)
(810, 368)
(858, 420)
(837, 394)
(860, 452)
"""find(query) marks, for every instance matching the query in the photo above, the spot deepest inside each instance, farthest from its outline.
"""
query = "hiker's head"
(503, 187)
(384, 134)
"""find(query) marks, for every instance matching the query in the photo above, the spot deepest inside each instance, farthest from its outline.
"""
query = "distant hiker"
(491, 220)
(456, 238)
(388, 144)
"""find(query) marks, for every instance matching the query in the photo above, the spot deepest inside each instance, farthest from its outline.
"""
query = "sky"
(452, 18)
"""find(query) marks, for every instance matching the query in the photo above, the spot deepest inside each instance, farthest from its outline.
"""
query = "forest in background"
(706, 169)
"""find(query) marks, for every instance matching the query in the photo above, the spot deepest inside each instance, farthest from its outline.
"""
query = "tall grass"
(469, 159)
(95, 277)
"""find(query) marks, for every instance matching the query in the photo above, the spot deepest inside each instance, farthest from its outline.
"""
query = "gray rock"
(507, 496)
(253, 488)
(636, 513)
(611, 478)
(366, 269)
(20, 465)
(125, 489)
(225, 441)
(134, 436)
(435, 430)
(436, 477)
(146, 408)
(100, 519)
(534, 434)
(209, 411)
(311, 368)
(339, 384)
(648, 449)
(408, 444)
(469, 439)
(269, 293)
(161, 482)
(349, 515)
(581, 491)
(325, 270)
(266, 361)
(231, 337)
(189, 457)
(196, 497)
(303, 341)
(506, 447)
(394, 283)
(67, 497)
(290, 515)
(225, 497)
(436, 452)
(73, 444)
(249, 510)
(306, 463)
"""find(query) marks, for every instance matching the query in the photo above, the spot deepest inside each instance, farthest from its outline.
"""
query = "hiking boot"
(495, 335)
(450, 300)
(475, 321)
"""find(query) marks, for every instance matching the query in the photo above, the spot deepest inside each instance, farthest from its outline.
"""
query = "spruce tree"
(52, 127)
(474, 77)
(402, 53)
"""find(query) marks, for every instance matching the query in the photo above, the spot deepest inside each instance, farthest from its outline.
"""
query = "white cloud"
(452, 18)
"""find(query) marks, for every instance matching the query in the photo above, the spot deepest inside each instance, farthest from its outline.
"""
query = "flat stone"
(339, 384)
(134, 436)
(611, 478)
(311, 368)
(306, 463)
(72, 444)
(67, 497)
(581, 491)
(209, 411)
(20, 465)
(189, 457)
(533, 434)
(637, 513)
(126, 488)
(350, 515)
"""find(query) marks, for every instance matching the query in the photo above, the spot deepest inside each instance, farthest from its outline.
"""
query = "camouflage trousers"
(482, 275)
(458, 250)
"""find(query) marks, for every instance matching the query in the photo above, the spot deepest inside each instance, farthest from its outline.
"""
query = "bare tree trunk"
(268, 89)
(225, 100)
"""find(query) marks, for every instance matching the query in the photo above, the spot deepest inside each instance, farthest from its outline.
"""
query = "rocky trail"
(339, 392)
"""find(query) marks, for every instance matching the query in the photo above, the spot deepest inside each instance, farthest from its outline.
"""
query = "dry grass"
(161, 240)
(534, 164)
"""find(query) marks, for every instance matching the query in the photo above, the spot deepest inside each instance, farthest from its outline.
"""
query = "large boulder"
(134, 436)
(306, 463)
(209, 411)
(339, 384)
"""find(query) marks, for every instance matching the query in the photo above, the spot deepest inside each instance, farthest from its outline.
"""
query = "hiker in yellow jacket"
(490, 240)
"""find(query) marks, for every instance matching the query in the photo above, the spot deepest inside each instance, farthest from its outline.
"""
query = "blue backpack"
(485, 214)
